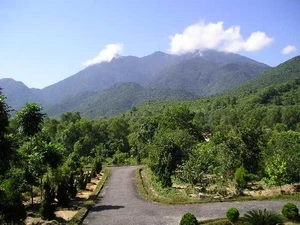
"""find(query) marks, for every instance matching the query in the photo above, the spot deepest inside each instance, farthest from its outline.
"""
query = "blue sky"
(43, 42)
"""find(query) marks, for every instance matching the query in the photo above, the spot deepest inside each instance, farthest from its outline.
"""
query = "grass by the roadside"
(92, 200)
(150, 189)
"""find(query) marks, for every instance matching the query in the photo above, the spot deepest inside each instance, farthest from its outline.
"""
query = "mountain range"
(108, 88)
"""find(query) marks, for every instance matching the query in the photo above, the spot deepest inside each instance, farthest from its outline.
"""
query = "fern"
(262, 217)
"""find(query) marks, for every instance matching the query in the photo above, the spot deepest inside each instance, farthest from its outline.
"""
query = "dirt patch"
(272, 191)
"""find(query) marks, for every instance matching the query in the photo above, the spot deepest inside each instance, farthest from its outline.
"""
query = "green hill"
(119, 98)
(284, 72)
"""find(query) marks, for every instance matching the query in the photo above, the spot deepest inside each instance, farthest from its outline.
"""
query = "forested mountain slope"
(119, 98)
(203, 74)
(204, 77)
(286, 71)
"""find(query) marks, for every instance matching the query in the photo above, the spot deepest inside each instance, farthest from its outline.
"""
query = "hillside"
(119, 98)
(17, 93)
(284, 72)
(204, 77)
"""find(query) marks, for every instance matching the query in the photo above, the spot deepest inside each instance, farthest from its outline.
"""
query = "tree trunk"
(31, 193)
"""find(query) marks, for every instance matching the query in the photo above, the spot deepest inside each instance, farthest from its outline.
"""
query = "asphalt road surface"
(120, 204)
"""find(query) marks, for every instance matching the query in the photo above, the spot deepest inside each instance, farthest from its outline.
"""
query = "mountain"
(209, 74)
(119, 98)
(17, 93)
(104, 75)
(286, 71)
(156, 76)
(194, 72)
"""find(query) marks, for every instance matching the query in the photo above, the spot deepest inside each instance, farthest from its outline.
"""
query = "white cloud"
(106, 55)
(288, 49)
(201, 36)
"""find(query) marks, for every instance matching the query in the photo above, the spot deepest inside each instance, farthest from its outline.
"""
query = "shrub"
(62, 194)
(88, 177)
(290, 211)
(98, 165)
(13, 212)
(72, 190)
(262, 217)
(82, 181)
(188, 219)
(47, 209)
(241, 178)
(233, 214)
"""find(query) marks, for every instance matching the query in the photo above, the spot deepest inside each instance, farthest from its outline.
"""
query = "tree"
(231, 149)
(282, 157)
(241, 178)
(30, 119)
(47, 208)
(62, 193)
(276, 169)
(12, 210)
(118, 129)
(169, 148)
(200, 161)
(250, 135)
(182, 118)
(5, 144)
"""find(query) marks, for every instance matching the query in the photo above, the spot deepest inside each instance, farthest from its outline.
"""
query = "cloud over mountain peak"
(214, 36)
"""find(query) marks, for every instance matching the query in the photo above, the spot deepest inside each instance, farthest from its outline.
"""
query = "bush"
(233, 214)
(62, 194)
(262, 217)
(47, 209)
(98, 166)
(13, 212)
(241, 178)
(88, 178)
(72, 190)
(188, 219)
(290, 211)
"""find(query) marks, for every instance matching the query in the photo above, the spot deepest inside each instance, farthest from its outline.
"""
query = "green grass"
(151, 190)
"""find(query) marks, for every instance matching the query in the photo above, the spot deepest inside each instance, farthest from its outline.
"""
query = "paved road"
(119, 204)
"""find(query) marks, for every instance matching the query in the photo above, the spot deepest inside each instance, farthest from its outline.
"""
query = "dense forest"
(242, 135)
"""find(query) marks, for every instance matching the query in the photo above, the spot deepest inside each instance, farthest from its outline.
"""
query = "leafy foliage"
(200, 161)
(12, 209)
(241, 178)
(233, 214)
(188, 219)
(30, 119)
(290, 211)
(203, 141)
(262, 217)
(47, 208)
(168, 150)
(5, 144)
(62, 194)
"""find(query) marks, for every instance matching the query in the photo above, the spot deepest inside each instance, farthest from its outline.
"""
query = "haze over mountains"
(108, 88)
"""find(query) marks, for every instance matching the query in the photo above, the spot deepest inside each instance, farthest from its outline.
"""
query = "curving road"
(120, 204)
